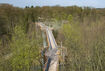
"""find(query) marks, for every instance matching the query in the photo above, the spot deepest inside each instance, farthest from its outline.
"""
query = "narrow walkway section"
(52, 57)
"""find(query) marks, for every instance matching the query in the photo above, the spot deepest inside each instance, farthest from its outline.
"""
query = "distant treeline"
(10, 16)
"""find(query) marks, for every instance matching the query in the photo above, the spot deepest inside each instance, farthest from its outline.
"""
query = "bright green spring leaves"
(25, 51)
(71, 34)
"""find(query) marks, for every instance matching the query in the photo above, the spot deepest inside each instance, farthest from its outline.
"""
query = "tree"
(3, 25)
(25, 51)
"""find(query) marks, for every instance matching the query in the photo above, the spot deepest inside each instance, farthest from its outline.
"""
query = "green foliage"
(70, 18)
(25, 51)
(70, 33)
(85, 46)
(72, 39)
